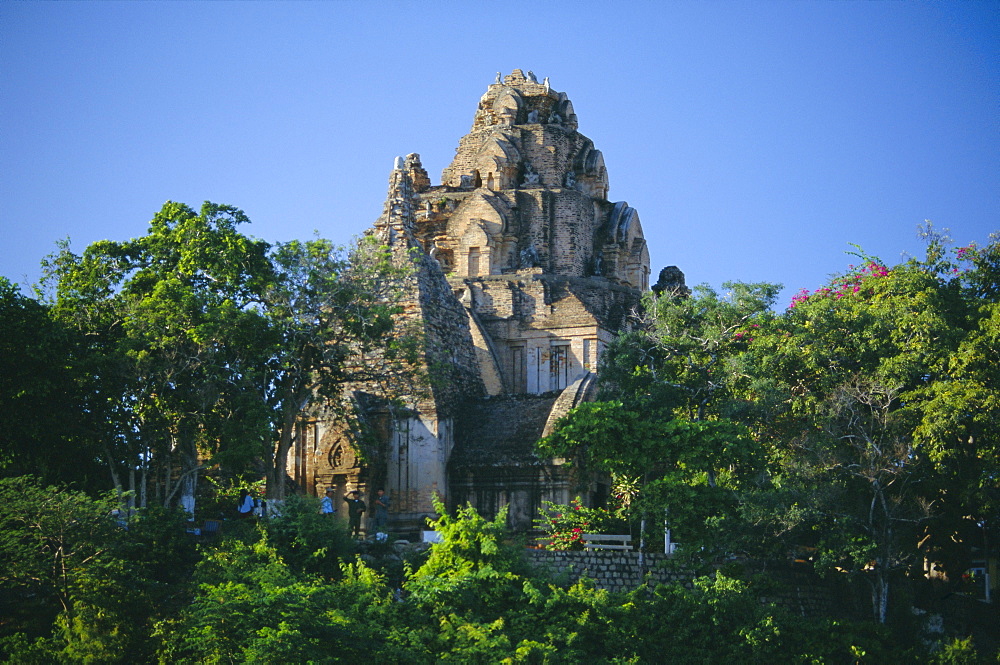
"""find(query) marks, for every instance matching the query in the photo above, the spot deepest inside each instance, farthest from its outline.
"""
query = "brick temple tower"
(524, 271)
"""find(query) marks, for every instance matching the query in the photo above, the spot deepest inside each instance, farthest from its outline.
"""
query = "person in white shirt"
(326, 503)
(244, 507)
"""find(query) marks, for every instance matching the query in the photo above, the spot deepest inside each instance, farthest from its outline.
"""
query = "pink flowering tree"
(882, 414)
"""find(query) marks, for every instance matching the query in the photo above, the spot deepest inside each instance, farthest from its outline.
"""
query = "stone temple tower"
(524, 271)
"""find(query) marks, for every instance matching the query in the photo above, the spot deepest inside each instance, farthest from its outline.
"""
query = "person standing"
(381, 511)
(326, 503)
(355, 506)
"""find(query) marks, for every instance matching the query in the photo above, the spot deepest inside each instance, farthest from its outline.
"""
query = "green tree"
(208, 346)
(45, 428)
(883, 423)
(48, 537)
(472, 567)
(672, 420)
(695, 339)
(472, 603)
(308, 541)
(250, 607)
(175, 309)
(332, 315)
(73, 576)
(695, 467)
(959, 413)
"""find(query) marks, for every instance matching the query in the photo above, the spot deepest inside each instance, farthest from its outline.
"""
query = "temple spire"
(397, 220)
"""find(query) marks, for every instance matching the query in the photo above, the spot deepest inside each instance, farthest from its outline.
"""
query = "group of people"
(356, 507)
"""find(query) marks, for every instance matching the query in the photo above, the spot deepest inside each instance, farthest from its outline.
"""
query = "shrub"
(308, 541)
(565, 525)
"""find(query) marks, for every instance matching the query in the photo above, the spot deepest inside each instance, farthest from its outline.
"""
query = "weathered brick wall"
(523, 114)
(521, 128)
(551, 150)
(470, 155)
(550, 302)
(481, 220)
(536, 310)
(582, 390)
(450, 347)
(429, 302)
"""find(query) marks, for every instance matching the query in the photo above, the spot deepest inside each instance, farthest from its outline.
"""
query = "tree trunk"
(642, 529)
(642, 541)
(131, 492)
(111, 467)
(668, 546)
(188, 482)
(880, 521)
(883, 600)
(880, 594)
(168, 467)
(143, 481)
(277, 469)
(189, 469)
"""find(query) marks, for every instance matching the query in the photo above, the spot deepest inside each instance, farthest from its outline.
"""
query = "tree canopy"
(193, 347)
(860, 425)
(860, 422)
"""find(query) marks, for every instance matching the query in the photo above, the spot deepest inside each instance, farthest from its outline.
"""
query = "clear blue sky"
(756, 139)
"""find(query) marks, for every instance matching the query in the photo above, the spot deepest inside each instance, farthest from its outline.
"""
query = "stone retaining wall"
(802, 592)
(611, 570)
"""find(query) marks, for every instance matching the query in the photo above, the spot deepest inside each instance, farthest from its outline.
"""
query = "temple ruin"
(524, 271)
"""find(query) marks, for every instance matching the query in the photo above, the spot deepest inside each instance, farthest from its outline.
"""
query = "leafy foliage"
(331, 316)
(196, 347)
(876, 433)
(172, 330)
(251, 607)
(308, 542)
(69, 562)
(472, 566)
(564, 525)
(694, 468)
(861, 423)
(473, 601)
(46, 429)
